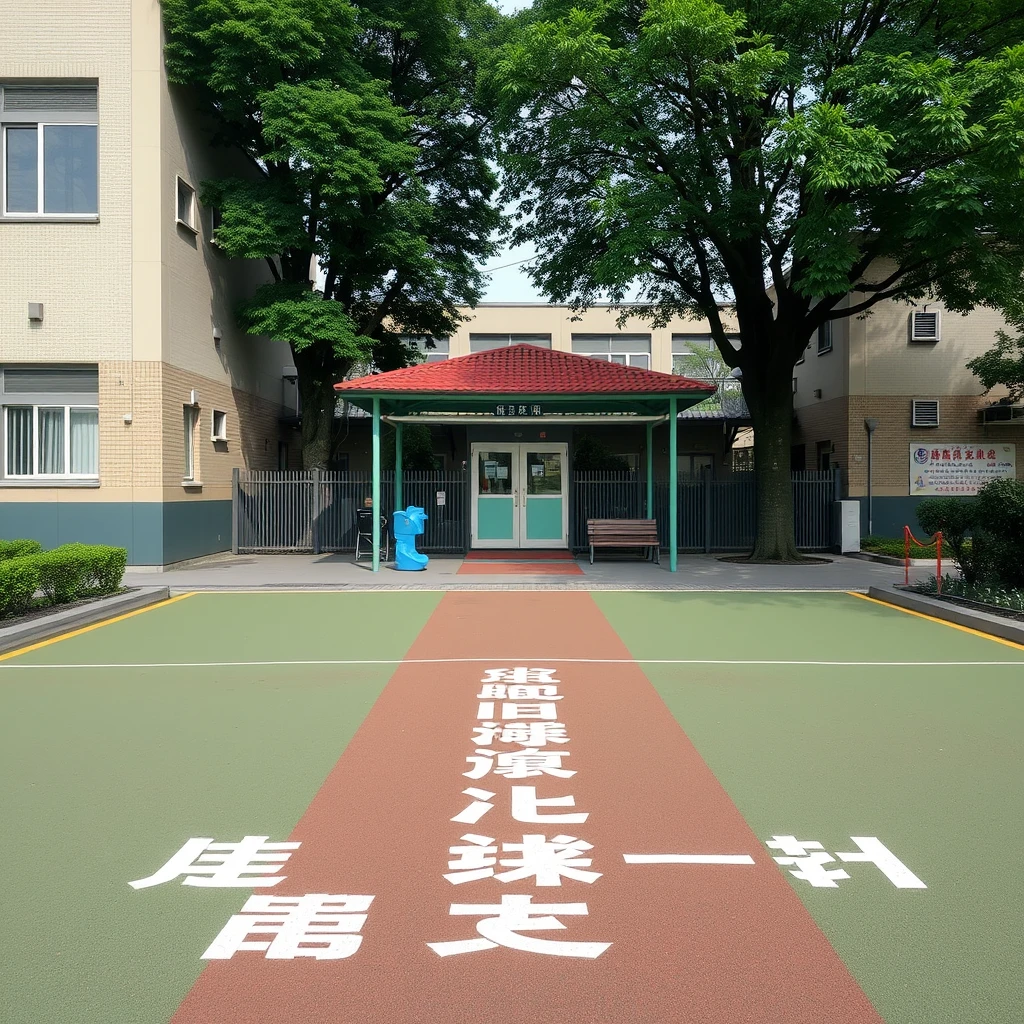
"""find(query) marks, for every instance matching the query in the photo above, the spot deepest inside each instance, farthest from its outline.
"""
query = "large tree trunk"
(316, 391)
(770, 401)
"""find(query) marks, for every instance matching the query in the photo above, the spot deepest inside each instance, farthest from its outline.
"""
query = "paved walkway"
(339, 571)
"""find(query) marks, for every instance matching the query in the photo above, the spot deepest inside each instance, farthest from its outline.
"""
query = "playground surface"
(477, 807)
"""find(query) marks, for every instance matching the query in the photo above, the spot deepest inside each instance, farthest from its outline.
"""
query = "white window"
(437, 354)
(50, 156)
(485, 342)
(825, 338)
(189, 413)
(219, 431)
(186, 215)
(694, 353)
(50, 423)
(625, 349)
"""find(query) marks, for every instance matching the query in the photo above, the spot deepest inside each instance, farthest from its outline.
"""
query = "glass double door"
(520, 496)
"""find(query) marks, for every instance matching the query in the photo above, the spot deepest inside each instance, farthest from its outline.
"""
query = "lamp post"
(870, 425)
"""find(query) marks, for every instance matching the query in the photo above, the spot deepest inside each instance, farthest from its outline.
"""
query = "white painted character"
(517, 691)
(318, 925)
(871, 851)
(503, 922)
(519, 764)
(526, 807)
(477, 809)
(473, 862)
(810, 866)
(528, 734)
(512, 710)
(520, 674)
(548, 862)
(243, 865)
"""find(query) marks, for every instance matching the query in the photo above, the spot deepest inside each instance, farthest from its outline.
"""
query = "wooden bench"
(624, 533)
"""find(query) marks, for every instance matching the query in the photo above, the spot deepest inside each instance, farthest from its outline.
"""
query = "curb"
(994, 625)
(870, 556)
(48, 626)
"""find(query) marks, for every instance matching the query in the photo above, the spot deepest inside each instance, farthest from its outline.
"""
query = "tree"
(803, 161)
(1002, 365)
(366, 159)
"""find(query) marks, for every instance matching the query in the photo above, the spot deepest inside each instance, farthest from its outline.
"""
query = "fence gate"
(313, 511)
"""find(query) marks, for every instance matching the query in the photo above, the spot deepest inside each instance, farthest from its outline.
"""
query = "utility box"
(846, 526)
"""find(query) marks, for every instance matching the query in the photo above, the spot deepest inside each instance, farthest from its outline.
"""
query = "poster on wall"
(959, 469)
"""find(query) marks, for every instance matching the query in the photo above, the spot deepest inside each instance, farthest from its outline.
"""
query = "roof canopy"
(543, 382)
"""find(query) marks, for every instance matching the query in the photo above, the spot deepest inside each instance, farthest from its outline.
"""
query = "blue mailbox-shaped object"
(408, 525)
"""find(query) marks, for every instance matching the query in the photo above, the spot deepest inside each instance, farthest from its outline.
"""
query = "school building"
(128, 394)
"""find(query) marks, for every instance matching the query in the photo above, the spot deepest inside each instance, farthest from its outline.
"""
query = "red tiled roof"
(525, 370)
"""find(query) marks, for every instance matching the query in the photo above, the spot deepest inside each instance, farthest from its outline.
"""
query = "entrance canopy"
(524, 383)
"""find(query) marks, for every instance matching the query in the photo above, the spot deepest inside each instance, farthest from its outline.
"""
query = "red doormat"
(519, 555)
(478, 568)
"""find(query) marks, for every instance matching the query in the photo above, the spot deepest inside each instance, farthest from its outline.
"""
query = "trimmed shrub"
(19, 580)
(73, 571)
(955, 517)
(1001, 516)
(106, 567)
(18, 548)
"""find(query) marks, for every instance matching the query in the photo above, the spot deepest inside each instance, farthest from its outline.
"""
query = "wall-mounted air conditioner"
(1002, 414)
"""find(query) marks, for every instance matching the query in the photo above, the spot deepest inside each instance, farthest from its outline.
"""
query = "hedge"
(65, 574)
(18, 548)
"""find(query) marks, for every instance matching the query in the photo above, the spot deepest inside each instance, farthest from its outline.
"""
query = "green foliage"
(956, 518)
(589, 455)
(357, 145)
(893, 547)
(686, 151)
(1007, 598)
(18, 548)
(1000, 518)
(19, 580)
(417, 448)
(1002, 365)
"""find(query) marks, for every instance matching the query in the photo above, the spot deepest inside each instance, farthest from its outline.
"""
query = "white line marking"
(687, 858)
(11, 666)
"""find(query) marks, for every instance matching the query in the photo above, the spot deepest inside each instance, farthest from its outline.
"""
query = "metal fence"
(316, 511)
(713, 515)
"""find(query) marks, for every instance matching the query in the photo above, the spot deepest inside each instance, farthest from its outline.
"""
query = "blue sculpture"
(408, 525)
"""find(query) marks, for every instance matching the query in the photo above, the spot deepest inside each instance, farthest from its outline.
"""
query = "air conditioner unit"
(925, 413)
(1002, 414)
(925, 325)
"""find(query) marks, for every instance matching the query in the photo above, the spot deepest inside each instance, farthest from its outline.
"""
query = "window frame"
(66, 475)
(223, 434)
(611, 354)
(189, 418)
(192, 224)
(825, 337)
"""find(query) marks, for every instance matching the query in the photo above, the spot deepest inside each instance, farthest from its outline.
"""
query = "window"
(50, 422)
(824, 453)
(282, 456)
(825, 338)
(187, 206)
(625, 349)
(485, 342)
(693, 466)
(692, 352)
(220, 426)
(189, 419)
(438, 354)
(50, 156)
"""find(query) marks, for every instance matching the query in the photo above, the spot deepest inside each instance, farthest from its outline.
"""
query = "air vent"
(925, 325)
(925, 413)
(68, 380)
(49, 97)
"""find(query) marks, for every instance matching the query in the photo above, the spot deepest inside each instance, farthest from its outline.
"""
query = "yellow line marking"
(90, 628)
(941, 622)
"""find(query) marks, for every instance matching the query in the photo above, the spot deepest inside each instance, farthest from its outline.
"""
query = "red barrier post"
(938, 562)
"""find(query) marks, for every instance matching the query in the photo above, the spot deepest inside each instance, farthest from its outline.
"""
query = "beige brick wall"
(827, 420)
(80, 271)
(958, 424)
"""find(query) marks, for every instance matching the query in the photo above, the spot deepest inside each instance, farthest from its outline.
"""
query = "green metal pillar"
(673, 486)
(650, 470)
(399, 502)
(376, 485)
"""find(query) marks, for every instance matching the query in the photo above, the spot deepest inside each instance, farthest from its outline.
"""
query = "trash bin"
(408, 525)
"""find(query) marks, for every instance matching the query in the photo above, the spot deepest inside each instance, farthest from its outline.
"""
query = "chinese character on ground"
(519, 675)
(318, 925)
(519, 764)
(525, 807)
(529, 734)
(809, 859)
(502, 924)
(548, 862)
(207, 864)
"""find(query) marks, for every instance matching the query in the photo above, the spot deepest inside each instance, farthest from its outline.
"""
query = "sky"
(510, 284)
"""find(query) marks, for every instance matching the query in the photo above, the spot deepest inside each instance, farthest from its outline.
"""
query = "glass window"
(437, 354)
(85, 442)
(543, 473)
(21, 167)
(186, 205)
(70, 165)
(51, 441)
(485, 342)
(495, 472)
(624, 349)
(19, 441)
(189, 420)
(825, 337)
